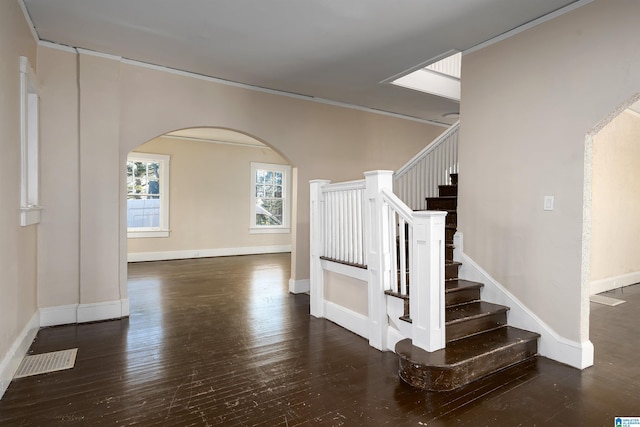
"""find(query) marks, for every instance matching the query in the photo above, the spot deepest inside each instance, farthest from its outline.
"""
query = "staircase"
(479, 341)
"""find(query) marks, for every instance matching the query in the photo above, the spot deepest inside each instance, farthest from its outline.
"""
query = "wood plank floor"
(220, 341)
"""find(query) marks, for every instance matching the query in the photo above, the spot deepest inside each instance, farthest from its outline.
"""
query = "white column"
(376, 228)
(427, 289)
(316, 239)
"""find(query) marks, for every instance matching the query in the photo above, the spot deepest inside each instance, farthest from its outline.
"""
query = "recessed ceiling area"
(332, 50)
(441, 78)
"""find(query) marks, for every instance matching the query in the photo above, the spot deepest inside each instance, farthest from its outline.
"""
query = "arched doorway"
(192, 193)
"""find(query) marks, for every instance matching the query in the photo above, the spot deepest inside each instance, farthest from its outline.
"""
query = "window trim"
(163, 229)
(286, 197)
(30, 209)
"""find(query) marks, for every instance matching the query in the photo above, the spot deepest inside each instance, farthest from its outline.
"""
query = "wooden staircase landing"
(479, 340)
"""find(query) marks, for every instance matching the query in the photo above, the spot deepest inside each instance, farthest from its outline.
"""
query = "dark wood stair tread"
(458, 285)
(406, 319)
(441, 198)
(466, 360)
(396, 294)
(472, 310)
(464, 350)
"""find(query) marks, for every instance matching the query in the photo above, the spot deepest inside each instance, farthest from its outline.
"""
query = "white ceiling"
(337, 50)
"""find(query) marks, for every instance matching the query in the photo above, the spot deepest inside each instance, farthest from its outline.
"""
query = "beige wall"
(347, 292)
(209, 196)
(121, 106)
(18, 245)
(59, 263)
(527, 104)
(100, 173)
(322, 141)
(615, 226)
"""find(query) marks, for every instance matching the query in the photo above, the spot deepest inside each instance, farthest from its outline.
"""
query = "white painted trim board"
(11, 360)
(82, 313)
(59, 315)
(299, 286)
(394, 336)
(345, 270)
(615, 282)
(348, 319)
(206, 253)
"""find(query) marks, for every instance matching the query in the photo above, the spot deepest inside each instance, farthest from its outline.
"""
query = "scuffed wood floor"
(220, 341)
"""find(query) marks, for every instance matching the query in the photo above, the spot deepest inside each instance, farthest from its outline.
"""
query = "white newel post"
(316, 238)
(427, 290)
(378, 252)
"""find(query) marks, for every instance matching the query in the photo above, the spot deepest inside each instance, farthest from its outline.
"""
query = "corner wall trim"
(206, 253)
(551, 345)
(11, 360)
(299, 286)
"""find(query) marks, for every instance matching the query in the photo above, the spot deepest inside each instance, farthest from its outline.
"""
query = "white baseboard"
(348, 319)
(393, 337)
(124, 307)
(615, 282)
(59, 315)
(82, 313)
(299, 286)
(551, 345)
(206, 253)
(100, 311)
(10, 362)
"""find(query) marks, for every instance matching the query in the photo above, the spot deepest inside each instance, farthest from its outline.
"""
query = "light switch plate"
(548, 203)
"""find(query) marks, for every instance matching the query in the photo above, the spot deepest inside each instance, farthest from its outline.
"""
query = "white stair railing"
(344, 239)
(419, 177)
(359, 223)
(401, 231)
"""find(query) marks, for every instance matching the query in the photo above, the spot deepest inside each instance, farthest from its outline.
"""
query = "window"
(147, 195)
(270, 191)
(29, 146)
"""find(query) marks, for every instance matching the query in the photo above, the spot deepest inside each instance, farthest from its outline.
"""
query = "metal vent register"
(36, 364)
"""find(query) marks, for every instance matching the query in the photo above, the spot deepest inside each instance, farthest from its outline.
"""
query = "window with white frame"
(29, 145)
(270, 190)
(147, 195)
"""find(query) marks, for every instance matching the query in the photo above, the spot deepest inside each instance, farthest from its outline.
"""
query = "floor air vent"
(46, 362)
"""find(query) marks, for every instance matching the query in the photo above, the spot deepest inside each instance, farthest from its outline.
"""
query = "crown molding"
(528, 25)
(27, 18)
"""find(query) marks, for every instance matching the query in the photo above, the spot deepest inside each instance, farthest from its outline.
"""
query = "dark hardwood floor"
(220, 341)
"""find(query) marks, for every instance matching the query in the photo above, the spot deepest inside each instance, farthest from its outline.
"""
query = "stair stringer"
(395, 310)
(550, 344)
